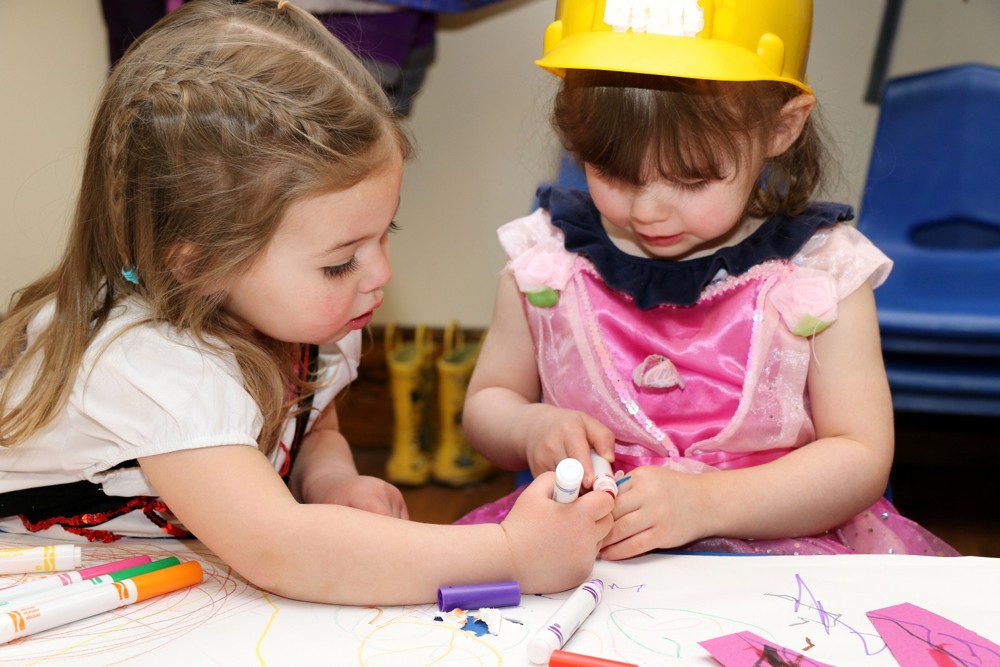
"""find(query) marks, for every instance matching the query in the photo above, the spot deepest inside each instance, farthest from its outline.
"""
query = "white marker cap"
(569, 477)
(541, 646)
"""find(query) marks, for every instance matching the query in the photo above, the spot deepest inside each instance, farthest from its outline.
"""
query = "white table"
(655, 611)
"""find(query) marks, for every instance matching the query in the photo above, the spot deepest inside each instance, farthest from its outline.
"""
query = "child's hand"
(556, 433)
(656, 508)
(364, 493)
(553, 545)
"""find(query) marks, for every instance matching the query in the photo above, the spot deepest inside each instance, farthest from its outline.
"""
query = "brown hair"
(633, 127)
(215, 120)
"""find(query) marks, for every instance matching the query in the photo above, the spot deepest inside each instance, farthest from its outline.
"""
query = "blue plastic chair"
(931, 204)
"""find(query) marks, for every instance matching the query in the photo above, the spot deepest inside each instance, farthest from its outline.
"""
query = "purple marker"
(567, 619)
(499, 594)
(67, 578)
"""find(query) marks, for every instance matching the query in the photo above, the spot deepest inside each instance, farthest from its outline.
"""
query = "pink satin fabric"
(740, 394)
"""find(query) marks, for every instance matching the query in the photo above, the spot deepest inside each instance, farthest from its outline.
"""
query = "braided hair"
(214, 121)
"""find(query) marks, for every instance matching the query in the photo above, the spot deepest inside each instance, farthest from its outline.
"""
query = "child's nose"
(380, 273)
(649, 207)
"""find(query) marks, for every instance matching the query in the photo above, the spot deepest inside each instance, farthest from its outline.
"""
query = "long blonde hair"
(215, 120)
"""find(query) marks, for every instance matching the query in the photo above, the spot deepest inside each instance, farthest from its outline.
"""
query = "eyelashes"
(341, 269)
(349, 267)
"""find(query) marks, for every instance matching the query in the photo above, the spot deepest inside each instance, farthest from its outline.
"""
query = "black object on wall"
(883, 50)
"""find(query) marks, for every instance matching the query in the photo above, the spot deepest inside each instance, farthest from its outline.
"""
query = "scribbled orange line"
(379, 610)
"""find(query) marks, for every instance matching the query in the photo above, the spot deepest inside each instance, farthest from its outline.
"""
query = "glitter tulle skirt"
(880, 529)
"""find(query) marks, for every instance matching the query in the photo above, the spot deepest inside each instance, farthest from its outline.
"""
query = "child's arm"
(324, 472)
(805, 492)
(231, 498)
(503, 418)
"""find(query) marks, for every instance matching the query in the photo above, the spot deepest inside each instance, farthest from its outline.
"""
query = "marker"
(561, 626)
(68, 578)
(604, 479)
(93, 600)
(471, 596)
(569, 476)
(567, 659)
(50, 558)
(100, 580)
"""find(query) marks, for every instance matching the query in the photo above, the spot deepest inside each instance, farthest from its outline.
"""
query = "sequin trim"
(618, 385)
(153, 508)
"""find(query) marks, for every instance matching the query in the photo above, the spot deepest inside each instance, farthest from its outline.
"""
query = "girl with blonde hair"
(175, 373)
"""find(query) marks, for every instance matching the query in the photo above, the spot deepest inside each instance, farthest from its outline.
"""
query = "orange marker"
(93, 600)
(567, 659)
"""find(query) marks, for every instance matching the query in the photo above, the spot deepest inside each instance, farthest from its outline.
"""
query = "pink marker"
(68, 578)
(92, 600)
(604, 479)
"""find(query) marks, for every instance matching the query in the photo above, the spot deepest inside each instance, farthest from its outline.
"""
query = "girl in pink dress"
(696, 317)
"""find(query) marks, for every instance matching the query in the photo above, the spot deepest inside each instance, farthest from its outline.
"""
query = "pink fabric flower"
(538, 259)
(658, 372)
(806, 301)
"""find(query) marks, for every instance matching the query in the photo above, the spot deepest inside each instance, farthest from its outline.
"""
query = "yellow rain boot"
(411, 379)
(455, 462)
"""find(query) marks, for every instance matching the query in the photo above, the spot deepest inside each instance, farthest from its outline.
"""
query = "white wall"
(480, 122)
(53, 61)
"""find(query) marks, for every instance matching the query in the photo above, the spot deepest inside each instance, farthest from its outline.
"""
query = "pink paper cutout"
(745, 649)
(921, 638)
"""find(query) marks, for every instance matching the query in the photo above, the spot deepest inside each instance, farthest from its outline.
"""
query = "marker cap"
(608, 484)
(115, 566)
(145, 568)
(604, 479)
(567, 659)
(473, 596)
(541, 646)
(167, 580)
(569, 476)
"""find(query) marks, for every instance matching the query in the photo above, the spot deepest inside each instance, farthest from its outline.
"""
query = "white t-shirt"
(145, 389)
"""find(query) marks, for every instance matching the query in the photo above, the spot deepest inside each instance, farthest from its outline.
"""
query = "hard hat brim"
(661, 55)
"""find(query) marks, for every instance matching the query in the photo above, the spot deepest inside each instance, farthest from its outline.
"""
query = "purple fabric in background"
(389, 37)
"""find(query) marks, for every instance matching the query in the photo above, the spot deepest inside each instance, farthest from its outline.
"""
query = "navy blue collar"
(652, 282)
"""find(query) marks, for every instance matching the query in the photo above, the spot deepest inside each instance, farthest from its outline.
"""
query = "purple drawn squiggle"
(804, 598)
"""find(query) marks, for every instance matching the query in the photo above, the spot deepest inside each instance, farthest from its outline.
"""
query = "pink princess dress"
(697, 365)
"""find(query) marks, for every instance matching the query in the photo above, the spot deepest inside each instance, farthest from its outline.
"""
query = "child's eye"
(341, 269)
(393, 228)
(693, 186)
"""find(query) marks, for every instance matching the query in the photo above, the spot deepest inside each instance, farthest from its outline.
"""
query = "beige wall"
(480, 122)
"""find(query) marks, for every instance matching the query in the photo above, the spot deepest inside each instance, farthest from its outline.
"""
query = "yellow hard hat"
(722, 40)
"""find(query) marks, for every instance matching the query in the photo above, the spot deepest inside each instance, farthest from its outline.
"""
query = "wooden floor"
(944, 476)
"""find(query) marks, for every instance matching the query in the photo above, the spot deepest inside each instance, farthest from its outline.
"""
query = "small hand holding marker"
(569, 478)
(604, 479)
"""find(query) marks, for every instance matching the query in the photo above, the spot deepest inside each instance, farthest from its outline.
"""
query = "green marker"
(152, 566)
(86, 584)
